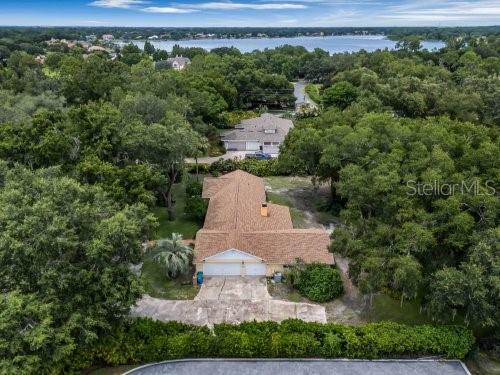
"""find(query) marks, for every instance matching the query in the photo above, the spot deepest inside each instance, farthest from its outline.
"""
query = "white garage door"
(222, 269)
(255, 269)
(235, 146)
(252, 146)
(233, 262)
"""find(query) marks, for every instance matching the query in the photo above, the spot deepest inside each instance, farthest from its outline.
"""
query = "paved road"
(299, 90)
(303, 367)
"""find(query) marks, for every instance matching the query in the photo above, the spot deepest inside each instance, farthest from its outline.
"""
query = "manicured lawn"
(158, 285)
(181, 224)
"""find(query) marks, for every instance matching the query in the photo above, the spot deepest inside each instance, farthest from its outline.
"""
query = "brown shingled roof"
(233, 220)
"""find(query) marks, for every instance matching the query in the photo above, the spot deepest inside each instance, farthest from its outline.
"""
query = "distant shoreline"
(384, 36)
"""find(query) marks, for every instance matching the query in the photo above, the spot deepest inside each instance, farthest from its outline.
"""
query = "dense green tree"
(17, 108)
(165, 146)
(149, 48)
(91, 79)
(131, 54)
(341, 95)
(409, 43)
(65, 272)
(406, 275)
(148, 108)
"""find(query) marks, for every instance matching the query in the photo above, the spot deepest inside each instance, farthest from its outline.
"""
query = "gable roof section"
(233, 221)
(235, 202)
(253, 129)
(275, 247)
(181, 60)
(227, 255)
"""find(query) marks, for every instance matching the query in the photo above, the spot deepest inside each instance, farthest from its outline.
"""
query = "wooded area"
(89, 144)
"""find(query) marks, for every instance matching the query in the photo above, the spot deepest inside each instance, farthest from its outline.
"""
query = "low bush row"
(145, 340)
(261, 168)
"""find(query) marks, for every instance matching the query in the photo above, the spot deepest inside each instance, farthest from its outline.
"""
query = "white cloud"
(260, 6)
(444, 10)
(116, 3)
(189, 8)
(169, 10)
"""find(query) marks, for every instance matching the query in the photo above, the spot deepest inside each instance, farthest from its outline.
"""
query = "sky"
(256, 13)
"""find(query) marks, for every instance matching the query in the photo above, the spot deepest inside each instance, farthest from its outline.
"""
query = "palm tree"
(173, 255)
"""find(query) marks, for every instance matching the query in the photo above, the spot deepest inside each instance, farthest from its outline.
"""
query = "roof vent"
(264, 210)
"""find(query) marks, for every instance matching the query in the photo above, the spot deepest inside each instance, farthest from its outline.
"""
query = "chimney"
(264, 210)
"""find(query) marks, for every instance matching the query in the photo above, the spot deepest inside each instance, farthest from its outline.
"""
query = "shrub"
(189, 345)
(261, 168)
(193, 188)
(196, 206)
(201, 167)
(294, 345)
(144, 340)
(318, 282)
(332, 346)
(234, 344)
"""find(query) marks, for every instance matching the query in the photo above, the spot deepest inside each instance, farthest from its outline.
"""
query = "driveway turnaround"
(228, 300)
(230, 288)
(303, 367)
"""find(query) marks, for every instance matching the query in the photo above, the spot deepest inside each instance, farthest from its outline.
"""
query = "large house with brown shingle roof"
(244, 235)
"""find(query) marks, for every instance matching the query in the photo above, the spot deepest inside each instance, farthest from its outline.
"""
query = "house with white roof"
(265, 133)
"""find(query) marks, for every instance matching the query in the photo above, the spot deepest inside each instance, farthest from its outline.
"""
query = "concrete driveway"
(238, 155)
(232, 288)
(228, 300)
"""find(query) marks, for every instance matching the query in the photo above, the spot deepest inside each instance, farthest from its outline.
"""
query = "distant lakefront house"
(244, 235)
(107, 37)
(178, 62)
(265, 133)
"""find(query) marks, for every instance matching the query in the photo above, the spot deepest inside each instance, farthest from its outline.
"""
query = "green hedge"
(261, 168)
(145, 340)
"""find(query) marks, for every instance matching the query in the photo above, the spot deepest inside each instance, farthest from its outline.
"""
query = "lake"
(332, 44)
